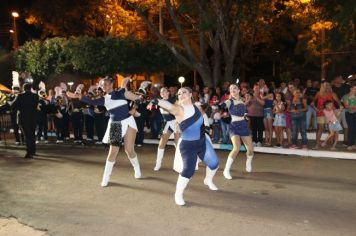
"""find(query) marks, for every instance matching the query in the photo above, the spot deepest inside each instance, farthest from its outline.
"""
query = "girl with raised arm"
(238, 130)
(121, 126)
(193, 143)
(169, 128)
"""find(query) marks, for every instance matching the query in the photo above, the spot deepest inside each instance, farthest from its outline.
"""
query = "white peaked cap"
(63, 86)
(145, 84)
(15, 79)
(92, 88)
(79, 88)
(101, 83)
(42, 86)
(58, 91)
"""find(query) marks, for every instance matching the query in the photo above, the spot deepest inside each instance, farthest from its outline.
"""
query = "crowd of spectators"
(277, 114)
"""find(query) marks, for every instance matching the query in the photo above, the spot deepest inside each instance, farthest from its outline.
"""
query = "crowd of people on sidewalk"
(276, 114)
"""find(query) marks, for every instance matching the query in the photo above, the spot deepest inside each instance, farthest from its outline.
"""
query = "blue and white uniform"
(120, 119)
(238, 125)
(169, 120)
(193, 143)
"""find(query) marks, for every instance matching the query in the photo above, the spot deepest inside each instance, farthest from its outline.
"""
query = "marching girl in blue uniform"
(121, 127)
(169, 128)
(193, 143)
(238, 130)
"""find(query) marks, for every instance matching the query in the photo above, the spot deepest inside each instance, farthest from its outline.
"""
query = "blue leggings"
(191, 150)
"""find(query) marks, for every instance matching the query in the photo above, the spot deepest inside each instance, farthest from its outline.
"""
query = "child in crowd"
(268, 118)
(332, 118)
(279, 118)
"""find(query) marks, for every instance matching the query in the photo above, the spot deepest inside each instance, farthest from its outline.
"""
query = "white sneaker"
(259, 144)
(46, 141)
(37, 142)
(17, 143)
(98, 143)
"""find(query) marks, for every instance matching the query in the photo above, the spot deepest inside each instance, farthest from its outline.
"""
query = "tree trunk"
(217, 65)
(206, 76)
(229, 70)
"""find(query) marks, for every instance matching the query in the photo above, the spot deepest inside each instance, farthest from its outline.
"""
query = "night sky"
(25, 32)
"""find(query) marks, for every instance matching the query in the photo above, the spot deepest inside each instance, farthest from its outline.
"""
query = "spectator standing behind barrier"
(225, 119)
(255, 105)
(288, 97)
(309, 93)
(333, 120)
(325, 94)
(26, 103)
(297, 108)
(279, 122)
(268, 118)
(205, 97)
(341, 88)
(216, 116)
(349, 101)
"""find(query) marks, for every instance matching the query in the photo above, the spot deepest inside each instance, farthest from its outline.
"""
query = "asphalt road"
(60, 192)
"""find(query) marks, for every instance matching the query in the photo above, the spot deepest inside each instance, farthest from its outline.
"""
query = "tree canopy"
(220, 39)
(94, 57)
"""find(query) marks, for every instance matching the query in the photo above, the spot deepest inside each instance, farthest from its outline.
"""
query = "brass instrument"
(3, 98)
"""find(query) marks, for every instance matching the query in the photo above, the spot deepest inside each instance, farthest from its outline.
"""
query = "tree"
(212, 35)
(93, 57)
(86, 17)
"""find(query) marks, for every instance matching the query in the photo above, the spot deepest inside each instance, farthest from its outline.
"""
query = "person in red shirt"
(325, 94)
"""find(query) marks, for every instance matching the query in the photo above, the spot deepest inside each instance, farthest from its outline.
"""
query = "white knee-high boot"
(136, 166)
(197, 165)
(226, 172)
(160, 153)
(107, 172)
(249, 163)
(182, 183)
(209, 178)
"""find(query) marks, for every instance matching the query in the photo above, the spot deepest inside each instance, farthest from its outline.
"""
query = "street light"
(15, 40)
(15, 14)
(181, 81)
(70, 84)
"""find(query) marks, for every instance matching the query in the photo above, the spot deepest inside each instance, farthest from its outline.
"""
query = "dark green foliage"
(93, 56)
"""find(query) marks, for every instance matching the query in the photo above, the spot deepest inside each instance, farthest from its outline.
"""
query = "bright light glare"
(181, 79)
(15, 14)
